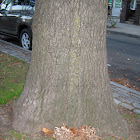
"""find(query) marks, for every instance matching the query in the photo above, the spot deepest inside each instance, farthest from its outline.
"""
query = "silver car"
(16, 20)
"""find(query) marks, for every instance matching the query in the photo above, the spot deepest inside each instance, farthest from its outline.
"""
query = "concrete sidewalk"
(123, 96)
(124, 29)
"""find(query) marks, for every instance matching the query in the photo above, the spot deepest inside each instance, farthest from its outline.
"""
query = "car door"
(14, 17)
(4, 14)
(17, 15)
(11, 17)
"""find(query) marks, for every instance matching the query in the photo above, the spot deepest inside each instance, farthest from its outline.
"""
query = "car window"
(6, 5)
(19, 2)
(22, 4)
(17, 5)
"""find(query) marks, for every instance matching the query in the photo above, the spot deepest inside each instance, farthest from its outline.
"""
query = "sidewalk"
(125, 29)
(122, 96)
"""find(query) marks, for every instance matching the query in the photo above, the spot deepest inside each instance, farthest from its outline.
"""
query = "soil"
(6, 117)
(133, 121)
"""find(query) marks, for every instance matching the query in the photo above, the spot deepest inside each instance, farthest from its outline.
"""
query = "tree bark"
(68, 79)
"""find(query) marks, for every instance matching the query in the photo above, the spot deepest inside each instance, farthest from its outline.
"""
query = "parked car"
(16, 20)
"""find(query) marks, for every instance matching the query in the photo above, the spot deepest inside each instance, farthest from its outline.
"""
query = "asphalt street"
(124, 58)
(123, 54)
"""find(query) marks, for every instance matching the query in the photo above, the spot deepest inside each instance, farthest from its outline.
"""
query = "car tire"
(26, 39)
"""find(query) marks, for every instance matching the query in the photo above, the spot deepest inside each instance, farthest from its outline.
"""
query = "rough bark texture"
(68, 80)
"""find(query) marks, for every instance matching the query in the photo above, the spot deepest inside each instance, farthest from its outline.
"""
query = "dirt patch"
(133, 121)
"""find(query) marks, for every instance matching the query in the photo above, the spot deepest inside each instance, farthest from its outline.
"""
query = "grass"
(130, 117)
(12, 77)
(17, 136)
(14, 135)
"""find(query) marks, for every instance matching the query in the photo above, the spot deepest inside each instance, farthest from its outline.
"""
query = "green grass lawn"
(12, 77)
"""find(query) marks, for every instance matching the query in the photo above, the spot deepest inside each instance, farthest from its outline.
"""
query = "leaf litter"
(64, 133)
(125, 82)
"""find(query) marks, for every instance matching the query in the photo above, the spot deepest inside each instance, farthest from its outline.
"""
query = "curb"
(126, 97)
(3, 41)
(122, 33)
(15, 51)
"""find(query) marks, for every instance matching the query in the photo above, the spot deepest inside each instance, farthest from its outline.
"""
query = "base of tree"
(82, 133)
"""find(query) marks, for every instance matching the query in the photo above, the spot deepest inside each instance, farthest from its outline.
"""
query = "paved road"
(124, 57)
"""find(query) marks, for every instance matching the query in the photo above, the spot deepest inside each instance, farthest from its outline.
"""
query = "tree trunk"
(68, 80)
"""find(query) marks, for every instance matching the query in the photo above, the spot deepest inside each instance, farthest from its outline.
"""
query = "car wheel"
(26, 39)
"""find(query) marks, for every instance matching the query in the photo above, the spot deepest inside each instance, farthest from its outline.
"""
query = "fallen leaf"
(12, 80)
(12, 89)
(125, 75)
(138, 79)
(128, 68)
(9, 65)
(73, 129)
(47, 132)
(126, 82)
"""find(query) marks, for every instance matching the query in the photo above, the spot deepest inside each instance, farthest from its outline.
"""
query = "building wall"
(137, 13)
(117, 7)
